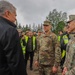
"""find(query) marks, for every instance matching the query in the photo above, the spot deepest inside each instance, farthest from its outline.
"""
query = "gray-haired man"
(11, 57)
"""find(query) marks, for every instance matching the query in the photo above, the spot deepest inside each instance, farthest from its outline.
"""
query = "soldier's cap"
(70, 20)
(39, 30)
(46, 22)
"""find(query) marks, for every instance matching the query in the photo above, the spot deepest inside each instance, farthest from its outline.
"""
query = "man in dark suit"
(11, 56)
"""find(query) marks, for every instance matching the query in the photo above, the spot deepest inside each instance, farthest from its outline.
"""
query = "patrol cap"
(70, 21)
(47, 22)
(71, 18)
(39, 30)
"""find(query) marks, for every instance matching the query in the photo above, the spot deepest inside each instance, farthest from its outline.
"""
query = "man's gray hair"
(5, 5)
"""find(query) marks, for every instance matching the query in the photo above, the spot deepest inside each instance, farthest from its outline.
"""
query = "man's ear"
(7, 13)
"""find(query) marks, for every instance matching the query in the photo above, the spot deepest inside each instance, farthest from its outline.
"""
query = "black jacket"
(11, 57)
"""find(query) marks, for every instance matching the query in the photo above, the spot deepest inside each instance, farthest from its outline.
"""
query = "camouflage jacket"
(71, 72)
(70, 54)
(49, 52)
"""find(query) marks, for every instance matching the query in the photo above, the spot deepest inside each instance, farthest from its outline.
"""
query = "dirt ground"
(32, 72)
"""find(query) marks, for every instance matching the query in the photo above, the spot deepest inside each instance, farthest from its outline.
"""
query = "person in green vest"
(31, 46)
(23, 43)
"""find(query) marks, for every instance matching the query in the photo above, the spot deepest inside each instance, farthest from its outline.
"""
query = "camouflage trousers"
(46, 70)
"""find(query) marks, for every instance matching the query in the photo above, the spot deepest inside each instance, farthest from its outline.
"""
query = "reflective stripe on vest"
(23, 47)
(63, 53)
(65, 39)
(59, 38)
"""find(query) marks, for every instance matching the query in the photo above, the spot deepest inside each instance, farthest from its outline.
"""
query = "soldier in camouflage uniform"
(49, 52)
(69, 65)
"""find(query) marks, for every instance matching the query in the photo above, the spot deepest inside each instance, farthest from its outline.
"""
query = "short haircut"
(5, 5)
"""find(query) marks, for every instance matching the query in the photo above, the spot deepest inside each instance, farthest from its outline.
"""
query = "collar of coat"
(9, 22)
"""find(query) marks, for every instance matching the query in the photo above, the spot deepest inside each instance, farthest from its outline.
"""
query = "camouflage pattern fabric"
(70, 56)
(71, 72)
(45, 70)
(49, 52)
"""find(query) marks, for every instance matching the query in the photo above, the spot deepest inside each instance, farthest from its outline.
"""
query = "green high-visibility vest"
(65, 38)
(23, 47)
(59, 38)
(34, 38)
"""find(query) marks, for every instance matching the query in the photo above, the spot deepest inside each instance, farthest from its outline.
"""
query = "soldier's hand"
(64, 70)
(54, 69)
(36, 63)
